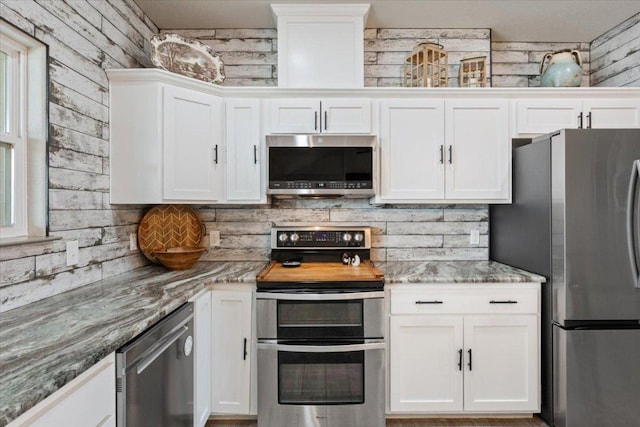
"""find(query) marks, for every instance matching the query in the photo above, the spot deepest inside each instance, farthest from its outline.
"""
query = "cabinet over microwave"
(321, 165)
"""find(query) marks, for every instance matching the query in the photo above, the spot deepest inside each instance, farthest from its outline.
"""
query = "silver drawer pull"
(429, 302)
(503, 302)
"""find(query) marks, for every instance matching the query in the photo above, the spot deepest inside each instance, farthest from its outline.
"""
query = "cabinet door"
(478, 160)
(88, 400)
(346, 116)
(501, 363)
(295, 116)
(192, 145)
(230, 358)
(411, 150)
(611, 113)
(244, 151)
(202, 353)
(538, 116)
(424, 370)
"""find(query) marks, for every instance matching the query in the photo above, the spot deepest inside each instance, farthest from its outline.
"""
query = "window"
(23, 126)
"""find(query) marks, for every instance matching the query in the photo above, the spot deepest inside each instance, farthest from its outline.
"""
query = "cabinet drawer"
(444, 301)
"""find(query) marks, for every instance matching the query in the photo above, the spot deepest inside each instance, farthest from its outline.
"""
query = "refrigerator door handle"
(632, 212)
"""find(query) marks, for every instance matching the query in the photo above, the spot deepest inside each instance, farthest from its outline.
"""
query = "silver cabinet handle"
(148, 360)
(632, 212)
(342, 296)
(580, 121)
(589, 120)
(503, 302)
(442, 154)
(325, 120)
(255, 154)
(315, 120)
(429, 302)
(450, 154)
(320, 348)
(215, 154)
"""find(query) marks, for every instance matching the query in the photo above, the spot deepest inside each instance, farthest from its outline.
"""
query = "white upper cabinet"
(411, 150)
(244, 151)
(439, 150)
(334, 116)
(611, 113)
(544, 115)
(166, 144)
(478, 150)
(320, 45)
(193, 143)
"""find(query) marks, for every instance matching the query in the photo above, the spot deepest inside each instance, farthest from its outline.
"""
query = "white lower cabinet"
(89, 400)
(464, 350)
(202, 356)
(232, 351)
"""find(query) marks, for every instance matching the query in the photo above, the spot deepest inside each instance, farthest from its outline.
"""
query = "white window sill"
(26, 240)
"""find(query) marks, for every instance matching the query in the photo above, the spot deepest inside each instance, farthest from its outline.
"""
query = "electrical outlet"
(133, 241)
(474, 237)
(72, 253)
(214, 238)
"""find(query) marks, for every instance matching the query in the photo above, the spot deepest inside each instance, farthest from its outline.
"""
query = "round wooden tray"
(168, 226)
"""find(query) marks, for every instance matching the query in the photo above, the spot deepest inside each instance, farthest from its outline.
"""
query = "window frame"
(17, 55)
(29, 139)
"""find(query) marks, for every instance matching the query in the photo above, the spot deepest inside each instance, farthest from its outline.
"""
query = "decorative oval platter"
(191, 58)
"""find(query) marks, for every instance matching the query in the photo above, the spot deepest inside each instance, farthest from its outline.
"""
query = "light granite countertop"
(454, 272)
(46, 344)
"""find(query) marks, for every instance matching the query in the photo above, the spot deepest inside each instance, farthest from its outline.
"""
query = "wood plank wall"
(517, 64)
(84, 39)
(615, 55)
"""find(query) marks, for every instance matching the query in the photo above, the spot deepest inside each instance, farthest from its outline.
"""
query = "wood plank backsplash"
(85, 37)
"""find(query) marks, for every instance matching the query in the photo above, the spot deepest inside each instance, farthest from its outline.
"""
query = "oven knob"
(294, 237)
(283, 237)
(346, 237)
(358, 237)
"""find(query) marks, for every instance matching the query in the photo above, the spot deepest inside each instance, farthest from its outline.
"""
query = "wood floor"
(423, 422)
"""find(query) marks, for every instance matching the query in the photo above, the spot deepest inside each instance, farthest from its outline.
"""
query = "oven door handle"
(343, 296)
(321, 348)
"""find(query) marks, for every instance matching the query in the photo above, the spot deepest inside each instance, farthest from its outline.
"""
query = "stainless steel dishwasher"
(154, 374)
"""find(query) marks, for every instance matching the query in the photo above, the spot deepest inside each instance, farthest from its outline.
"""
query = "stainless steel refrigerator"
(575, 219)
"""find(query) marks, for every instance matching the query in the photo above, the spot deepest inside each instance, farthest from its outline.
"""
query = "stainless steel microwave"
(321, 165)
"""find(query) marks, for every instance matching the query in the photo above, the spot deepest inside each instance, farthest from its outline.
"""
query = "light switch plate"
(72, 253)
(474, 237)
(214, 238)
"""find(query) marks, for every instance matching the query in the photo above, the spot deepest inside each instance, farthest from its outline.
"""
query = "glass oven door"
(311, 385)
(320, 316)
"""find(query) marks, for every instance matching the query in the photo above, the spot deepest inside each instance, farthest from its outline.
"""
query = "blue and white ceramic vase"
(564, 69)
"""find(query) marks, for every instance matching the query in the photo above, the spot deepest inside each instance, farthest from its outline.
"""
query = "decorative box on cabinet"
(464, 349)
(539, 116)
(89, 400)
(320, 45)
(232, 351)
(441, 150)
(320, 116)
(166, 144)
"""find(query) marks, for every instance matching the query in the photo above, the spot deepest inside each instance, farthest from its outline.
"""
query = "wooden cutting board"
(320, 272)
(168, 226)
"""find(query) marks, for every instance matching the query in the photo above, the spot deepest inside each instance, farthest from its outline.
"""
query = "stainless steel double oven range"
(320, 306)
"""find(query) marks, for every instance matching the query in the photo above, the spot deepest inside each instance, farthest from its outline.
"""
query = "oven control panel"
(324, 238)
